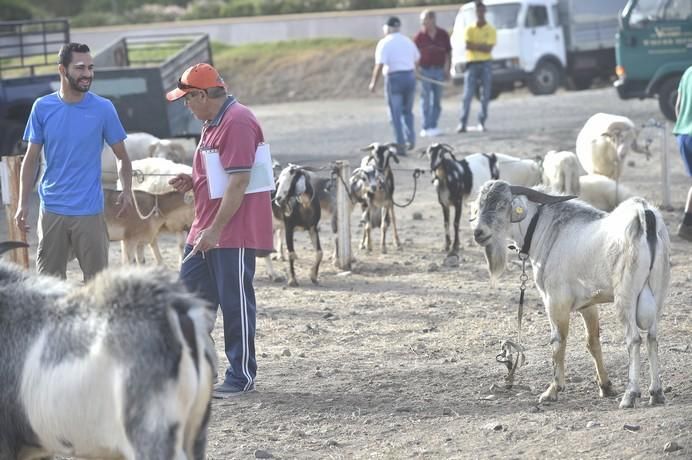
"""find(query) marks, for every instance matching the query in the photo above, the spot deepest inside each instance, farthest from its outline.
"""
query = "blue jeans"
(430, 96)
(400, 89)
(477, 72)
(685, 144)
(224, 277)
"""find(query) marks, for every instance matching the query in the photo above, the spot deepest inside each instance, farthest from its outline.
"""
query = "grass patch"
(261, 51)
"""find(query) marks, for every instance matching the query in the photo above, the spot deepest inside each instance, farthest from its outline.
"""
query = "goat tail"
(652, 234)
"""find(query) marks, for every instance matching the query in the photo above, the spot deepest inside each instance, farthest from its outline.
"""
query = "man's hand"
(182, 182)
(371, 86)
(206, 239)
(21, 218)
(125, 203)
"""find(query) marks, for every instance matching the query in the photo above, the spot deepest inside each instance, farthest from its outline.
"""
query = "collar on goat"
(540, 198)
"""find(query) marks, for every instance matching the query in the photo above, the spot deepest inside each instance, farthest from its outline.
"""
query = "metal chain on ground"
(512, 353)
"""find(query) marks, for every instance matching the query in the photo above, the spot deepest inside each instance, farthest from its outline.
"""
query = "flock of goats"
(122, 367)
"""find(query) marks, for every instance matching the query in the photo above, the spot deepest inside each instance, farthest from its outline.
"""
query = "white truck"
(542, 44)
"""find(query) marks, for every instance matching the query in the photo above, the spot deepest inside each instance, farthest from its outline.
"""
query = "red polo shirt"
(433, 51)
(235, 133)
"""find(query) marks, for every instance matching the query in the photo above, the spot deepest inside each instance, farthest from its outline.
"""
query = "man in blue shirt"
(70, 126)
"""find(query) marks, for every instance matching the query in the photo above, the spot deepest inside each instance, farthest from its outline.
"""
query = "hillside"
(296, 71)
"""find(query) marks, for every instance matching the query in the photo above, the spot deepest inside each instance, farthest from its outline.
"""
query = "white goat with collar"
(581, 257)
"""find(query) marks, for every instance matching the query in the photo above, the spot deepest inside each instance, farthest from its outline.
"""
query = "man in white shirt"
(396, 56)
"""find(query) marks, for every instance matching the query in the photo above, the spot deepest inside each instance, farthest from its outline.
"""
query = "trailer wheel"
(545, 78)
(667, 95)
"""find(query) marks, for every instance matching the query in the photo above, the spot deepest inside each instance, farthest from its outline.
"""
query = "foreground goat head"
(498, 206)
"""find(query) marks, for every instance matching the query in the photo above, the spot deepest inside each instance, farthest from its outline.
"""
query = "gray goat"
(375, 181)
(582, 257)
(118, 369)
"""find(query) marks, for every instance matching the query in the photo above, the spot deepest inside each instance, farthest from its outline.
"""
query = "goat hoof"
(314, 280)
(293, 283)
(607, 390)
(628, 399)
(452, 260)
(656, 397)
(277, 279)
(549, 395)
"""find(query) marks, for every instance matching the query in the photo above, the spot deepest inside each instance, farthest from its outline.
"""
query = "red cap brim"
(176, 94)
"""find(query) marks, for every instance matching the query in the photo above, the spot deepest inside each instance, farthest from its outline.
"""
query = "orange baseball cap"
(199, 76)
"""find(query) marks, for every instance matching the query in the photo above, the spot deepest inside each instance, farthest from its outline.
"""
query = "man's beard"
(75, 85)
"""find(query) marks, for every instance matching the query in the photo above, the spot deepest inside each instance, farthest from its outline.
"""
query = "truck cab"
(530, 48)
(653, 49)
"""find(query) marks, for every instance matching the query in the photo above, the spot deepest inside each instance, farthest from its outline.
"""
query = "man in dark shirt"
(435, 50)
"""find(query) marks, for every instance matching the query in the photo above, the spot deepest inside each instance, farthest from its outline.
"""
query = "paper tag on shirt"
(261, 174)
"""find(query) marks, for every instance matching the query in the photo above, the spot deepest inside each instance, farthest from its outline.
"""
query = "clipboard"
(261, 173)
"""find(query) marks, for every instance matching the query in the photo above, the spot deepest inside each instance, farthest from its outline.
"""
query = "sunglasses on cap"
(186, 87)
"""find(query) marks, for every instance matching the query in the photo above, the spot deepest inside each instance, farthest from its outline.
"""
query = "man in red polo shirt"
(227, 230)
(435, 59)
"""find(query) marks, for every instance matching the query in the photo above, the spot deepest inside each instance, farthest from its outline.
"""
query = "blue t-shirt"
(72, 136)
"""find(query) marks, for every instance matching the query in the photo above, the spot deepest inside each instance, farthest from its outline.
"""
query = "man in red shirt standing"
(227, 230)
(436, 53)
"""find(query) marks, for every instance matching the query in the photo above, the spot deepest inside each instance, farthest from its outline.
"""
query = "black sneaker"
(461, 128)
(226, 390)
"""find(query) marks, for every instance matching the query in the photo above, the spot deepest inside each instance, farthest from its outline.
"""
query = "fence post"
(665, 170)
(11, 167)
(343, 217)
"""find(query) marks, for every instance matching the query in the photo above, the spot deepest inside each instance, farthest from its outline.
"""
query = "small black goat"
(297, 196)
(456, 180)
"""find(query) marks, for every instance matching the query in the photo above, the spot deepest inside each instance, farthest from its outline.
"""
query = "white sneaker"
(423, 133)
(434, 132)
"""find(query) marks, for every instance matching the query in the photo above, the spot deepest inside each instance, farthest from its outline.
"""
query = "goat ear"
(518, 209)
(395, 157)
(369, 147)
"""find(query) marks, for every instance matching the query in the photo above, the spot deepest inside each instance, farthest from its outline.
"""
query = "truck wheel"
(545, 79)
(667, 94)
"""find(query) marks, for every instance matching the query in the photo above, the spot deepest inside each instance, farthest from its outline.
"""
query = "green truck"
(653, 48)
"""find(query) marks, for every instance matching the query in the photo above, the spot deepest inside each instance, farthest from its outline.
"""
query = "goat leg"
(593, 344)
(154, 246)
(559, 326)
(394, 229)
(458, 209)
(384, 213)
(315, 238)
(445, 217)
(288, 232)
(633, 340)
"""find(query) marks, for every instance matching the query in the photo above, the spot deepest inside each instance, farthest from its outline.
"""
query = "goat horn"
(539, 197)
(369, 147)
(9, 245)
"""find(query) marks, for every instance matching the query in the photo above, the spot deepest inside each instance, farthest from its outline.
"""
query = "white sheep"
(602, 192)
(138, 146)
(604, 142)
(561, 172)
(582, 257)
(518, 171)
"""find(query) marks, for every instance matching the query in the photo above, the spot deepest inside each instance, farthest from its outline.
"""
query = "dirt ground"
(396, 358)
